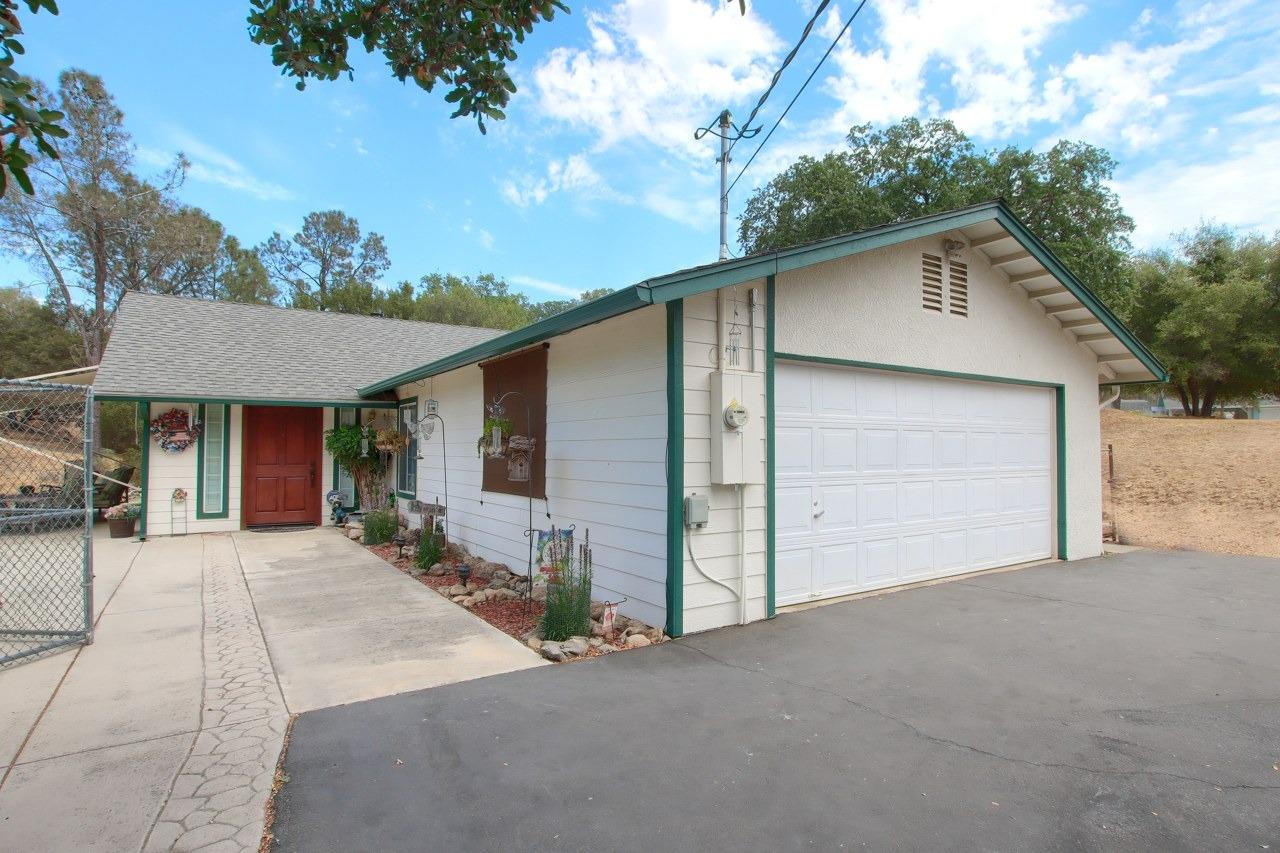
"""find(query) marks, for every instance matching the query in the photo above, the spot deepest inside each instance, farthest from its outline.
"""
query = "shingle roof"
(165, 346)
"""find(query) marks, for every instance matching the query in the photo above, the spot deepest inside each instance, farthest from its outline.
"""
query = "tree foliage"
(329, 264)
(916, 168)
(1211, 312)
(458, 43)
(94, 229)
(32, 340)
(22, 117)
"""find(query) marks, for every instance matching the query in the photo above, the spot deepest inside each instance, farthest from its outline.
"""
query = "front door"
(281, 465)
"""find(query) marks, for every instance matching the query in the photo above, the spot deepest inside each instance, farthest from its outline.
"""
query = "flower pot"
(121, 528)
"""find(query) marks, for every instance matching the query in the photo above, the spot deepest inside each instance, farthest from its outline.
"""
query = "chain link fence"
(46, 518)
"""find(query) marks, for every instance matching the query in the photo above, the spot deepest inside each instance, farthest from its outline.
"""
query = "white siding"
(169, 471)
(606, 450)
(716, 547)
(868, 308)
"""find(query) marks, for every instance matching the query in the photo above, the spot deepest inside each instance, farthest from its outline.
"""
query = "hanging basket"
(390, 440)
(174, 430)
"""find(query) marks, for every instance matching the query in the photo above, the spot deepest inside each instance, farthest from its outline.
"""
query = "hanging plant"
(174, 430)
(390, 440)
(486, 444)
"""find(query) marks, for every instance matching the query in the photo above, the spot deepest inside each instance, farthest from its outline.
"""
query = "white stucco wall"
(868, 308)
(606, 470)
(716, 547)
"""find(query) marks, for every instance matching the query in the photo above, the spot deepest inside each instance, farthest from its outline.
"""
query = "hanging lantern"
(520, 459)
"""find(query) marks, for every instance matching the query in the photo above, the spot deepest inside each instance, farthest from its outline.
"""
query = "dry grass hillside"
(1206, 485)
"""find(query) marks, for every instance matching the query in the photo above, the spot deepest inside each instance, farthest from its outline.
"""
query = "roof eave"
(611, 305)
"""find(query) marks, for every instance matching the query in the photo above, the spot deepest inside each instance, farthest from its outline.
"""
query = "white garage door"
(887, 478)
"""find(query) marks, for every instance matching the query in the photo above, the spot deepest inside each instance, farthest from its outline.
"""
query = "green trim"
(249, 401)
(144, 430)
(226, 465)
(771, 524)
(611, 305)
(1060, 418)
(675, 468)
(1060, 411)
(405, 403)
(333, 481)
(902, 368)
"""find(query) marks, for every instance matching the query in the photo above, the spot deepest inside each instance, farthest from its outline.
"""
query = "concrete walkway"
(164, 733)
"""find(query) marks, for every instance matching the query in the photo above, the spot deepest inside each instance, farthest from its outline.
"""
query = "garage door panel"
(837, 569)
(910, 477)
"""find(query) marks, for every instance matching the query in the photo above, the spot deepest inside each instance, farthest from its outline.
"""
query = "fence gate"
(46, 518)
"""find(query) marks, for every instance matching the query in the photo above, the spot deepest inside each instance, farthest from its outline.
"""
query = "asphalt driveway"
(1128, 702)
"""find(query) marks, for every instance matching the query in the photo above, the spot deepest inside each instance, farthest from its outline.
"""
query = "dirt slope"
(1207, 485)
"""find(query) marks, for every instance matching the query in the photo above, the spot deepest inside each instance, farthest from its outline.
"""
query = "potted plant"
(493, 441)
(121, 519)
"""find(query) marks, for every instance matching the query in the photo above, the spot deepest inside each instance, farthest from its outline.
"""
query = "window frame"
(336, 468)
(407, 457)
(493, 478)
(202, 444)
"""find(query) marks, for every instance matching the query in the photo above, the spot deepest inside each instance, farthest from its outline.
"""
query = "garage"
(887, 477)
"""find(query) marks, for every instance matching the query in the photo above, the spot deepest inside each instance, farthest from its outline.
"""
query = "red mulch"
(514, 617)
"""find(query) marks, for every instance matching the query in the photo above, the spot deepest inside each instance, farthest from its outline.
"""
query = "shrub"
(379, 526)
(430, 551)
(568, 607)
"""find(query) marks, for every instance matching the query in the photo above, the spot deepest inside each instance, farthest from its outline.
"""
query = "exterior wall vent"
(958, 292)
(931, 276)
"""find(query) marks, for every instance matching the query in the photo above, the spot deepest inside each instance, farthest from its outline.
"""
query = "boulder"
(457, 589)
(595, 642)
(552, 651)
(607, 647)
(534, 643)
(653, 634)
(501, 576)
(620, 624)
(539, 592)
(636, 641)
(504, 594)
(535, 633)
(355, 533)
(459, 599)
(575, 645)
(597, 630)
(473, 585)
(437, 570)
(597, 609)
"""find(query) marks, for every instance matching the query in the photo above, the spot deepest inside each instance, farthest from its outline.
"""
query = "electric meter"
(735, 415)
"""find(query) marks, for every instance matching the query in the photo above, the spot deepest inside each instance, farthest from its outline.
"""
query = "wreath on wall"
(174, 430)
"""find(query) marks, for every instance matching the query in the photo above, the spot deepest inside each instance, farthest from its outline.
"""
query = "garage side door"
(887, 478)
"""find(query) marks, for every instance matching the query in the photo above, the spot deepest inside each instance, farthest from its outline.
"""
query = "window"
(525, 372)
(407, 458)
(213, 461)
(342, 480)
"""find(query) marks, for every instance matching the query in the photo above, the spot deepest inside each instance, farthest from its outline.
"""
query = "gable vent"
(931, 276)
(958, 280)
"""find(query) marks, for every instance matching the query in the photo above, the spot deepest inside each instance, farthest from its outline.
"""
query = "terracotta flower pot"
(121, 528)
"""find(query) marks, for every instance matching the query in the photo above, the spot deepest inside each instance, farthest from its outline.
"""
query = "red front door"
(281, 465)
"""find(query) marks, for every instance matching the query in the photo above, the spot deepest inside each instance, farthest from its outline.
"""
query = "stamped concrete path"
(164, 734)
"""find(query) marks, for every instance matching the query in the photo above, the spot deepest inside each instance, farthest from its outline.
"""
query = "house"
(895, 405)
(1266, 409)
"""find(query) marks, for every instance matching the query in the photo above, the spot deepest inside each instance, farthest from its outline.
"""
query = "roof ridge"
(229, 303)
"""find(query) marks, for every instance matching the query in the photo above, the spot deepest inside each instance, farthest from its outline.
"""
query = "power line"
(777, 75)
(797, 95)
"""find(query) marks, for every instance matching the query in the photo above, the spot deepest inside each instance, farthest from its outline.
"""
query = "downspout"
(742, 554)
(1107, 402)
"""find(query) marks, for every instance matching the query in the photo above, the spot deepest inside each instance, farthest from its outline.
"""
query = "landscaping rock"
(539, 592)
(504, 594)
(417, 571)
(355, 533)
(575, 645)
(458, 599)
(552, 651)
(636, 641)
(597, 610)
(473, 585)
(502, 576)
(597, 630)
(621, 624)
(608, 647)
(654, 635)
(437, 570)
(457, 589)
(480, 595)
(534, 643)
(595, 642)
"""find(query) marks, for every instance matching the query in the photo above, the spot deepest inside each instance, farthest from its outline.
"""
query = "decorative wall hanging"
(174, 431)
(519, 458)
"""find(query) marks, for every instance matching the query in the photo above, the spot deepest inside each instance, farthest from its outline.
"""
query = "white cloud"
(657, 69)
(482, 235)
(1172, 195)
(211, 166)
(545, 286)
(573, 174)
(358, 144)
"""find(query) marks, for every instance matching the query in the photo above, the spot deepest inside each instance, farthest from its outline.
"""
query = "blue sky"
(595, 179)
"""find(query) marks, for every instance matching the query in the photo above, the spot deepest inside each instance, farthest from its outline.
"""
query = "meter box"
(737, 428)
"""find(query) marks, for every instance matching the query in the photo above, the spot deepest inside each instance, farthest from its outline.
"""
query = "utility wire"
(777, 75)
(797, 95)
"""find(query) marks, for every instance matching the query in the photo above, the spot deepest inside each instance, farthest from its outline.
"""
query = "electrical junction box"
(696, 510)
(432, 407)
(737, 428)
